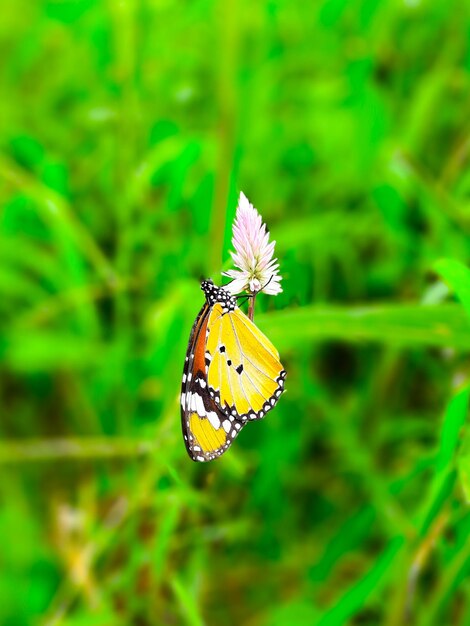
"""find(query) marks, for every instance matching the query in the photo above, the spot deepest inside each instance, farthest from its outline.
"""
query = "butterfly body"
(232, 374)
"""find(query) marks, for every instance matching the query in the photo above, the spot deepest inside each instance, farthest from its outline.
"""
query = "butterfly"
(232, 374)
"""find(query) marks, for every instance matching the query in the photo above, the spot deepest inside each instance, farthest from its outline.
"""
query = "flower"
(257, 270)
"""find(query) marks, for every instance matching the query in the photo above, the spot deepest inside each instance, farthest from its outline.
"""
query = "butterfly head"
(216, 294)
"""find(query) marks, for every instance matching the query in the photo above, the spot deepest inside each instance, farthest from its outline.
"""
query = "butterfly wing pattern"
(207, 431)
(245, 376)
(232, 374)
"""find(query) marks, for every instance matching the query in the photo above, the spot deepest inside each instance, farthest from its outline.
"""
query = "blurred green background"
(127, 130)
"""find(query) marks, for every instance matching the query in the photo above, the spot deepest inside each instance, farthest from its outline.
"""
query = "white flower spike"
(257, 270)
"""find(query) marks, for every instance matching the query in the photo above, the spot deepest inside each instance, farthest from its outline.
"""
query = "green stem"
(31, 450)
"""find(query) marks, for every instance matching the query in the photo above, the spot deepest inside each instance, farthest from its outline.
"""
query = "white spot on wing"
(200, 408)
(226, 425)
(213, 419)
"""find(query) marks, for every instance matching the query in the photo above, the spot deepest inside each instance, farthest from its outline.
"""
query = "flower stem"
(251, 307)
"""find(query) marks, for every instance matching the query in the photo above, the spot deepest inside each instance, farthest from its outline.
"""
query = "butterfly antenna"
(253, 295)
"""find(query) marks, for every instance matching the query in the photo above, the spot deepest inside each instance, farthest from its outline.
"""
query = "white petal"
(238, 284)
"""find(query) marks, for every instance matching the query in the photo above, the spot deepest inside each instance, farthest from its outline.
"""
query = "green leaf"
(187, 602)
(454, 419)
(463, 465)
(355, 597)
(392, 324)
(299, 612)
(444, 476)
(46, 350)
(457, 276)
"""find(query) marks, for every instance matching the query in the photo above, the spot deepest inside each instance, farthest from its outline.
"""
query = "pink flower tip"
(257, 270)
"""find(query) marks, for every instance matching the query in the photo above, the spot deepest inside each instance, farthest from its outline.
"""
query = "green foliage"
(458, 277)
(128, 129)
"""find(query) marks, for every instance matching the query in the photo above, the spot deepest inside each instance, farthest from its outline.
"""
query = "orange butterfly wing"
(207, 430)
